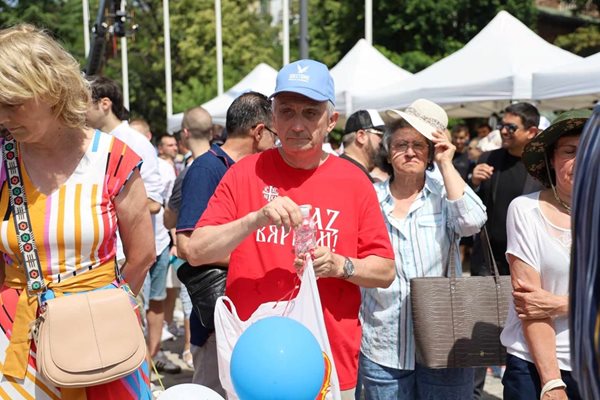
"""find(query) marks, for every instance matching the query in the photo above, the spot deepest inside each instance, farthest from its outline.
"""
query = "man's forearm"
(212, 244)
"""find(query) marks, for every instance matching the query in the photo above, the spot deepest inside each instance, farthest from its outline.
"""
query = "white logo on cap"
(301, 75)
(301, 69)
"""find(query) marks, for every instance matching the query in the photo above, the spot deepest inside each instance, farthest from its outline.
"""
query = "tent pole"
(167, 44)
(369, 21)
(219, 47)
(286, 31)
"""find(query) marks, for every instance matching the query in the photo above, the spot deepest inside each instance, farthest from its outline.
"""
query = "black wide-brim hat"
(534, 155)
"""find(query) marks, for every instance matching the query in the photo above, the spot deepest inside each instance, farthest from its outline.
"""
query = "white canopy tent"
(576, 85)
(489, 72)
(261, 79)
(362, 71)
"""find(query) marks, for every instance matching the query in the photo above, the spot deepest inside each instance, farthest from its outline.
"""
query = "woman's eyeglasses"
(402, 147)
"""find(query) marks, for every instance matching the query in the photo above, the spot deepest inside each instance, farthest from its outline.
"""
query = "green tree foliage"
(412, 33)
(585, 41)
(62, 18)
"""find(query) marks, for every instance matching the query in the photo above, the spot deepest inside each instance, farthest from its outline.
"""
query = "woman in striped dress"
(81, 186)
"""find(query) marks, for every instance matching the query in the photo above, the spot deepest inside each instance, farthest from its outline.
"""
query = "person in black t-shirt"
(500, 176)
(460, 139)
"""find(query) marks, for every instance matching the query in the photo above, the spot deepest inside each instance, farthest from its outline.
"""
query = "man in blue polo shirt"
(248, 127)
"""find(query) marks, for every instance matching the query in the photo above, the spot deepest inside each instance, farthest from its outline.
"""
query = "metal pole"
(219, 47)
(286, 31)
(124, 64)
(168, 82)
(86, 27)
(303, 28)
(369, 21)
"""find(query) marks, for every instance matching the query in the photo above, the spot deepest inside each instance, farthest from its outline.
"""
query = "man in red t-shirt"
(255, 207)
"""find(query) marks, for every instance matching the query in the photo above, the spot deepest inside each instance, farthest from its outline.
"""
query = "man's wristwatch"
(348, 268)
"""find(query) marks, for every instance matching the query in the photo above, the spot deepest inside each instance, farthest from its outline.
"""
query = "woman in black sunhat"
(538, 227)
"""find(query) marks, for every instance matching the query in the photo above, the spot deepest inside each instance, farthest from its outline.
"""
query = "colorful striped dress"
(75, 233)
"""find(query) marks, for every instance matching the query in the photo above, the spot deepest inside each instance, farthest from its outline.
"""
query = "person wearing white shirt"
(107, 113)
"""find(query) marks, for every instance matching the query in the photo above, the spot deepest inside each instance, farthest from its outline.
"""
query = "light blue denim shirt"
(421, 243)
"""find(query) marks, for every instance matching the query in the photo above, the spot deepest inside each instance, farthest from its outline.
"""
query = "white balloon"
(185, 391)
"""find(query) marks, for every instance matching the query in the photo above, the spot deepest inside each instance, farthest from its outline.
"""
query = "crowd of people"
(405, 195)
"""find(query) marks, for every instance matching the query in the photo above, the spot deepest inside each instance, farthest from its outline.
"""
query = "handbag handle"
(488, 253)
(18, 202)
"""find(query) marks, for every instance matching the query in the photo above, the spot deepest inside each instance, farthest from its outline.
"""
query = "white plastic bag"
(305, 308)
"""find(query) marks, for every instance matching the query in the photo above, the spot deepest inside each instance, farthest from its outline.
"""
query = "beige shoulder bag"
(83, 339)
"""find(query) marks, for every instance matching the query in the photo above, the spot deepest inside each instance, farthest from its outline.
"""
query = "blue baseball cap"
(309, 78)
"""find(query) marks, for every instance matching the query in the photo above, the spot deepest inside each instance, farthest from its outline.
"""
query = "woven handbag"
(83, 339)
(457, 321)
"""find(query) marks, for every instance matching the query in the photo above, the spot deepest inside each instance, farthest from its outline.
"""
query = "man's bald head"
(198, 123)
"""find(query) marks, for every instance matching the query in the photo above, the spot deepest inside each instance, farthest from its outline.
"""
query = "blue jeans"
(382, 383)
(521, 381)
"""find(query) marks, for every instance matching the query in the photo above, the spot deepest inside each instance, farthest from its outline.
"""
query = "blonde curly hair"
(35, 66)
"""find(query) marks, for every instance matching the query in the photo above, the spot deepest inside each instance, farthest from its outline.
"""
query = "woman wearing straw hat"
(424, 213)
(538, 228)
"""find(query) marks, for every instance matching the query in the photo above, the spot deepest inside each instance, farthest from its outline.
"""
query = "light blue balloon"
(277, 358)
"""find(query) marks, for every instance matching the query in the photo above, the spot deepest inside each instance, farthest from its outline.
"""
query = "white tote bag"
(305, 308)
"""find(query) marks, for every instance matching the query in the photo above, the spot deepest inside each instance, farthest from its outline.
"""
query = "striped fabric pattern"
(75, 231)
(421, 243)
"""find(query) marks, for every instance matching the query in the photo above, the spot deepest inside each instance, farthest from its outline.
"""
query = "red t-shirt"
(348, 220)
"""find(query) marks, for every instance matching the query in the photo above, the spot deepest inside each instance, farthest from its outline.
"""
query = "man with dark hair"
(460, 139)
(167, 148)
(362, 138)
(248, 124)
(106, 113)
(498, 178)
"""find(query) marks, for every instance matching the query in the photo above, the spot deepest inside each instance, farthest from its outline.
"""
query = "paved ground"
(173, 349)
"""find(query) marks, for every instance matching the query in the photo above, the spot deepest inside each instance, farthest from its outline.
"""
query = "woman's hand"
(443, 148)
(533, 302)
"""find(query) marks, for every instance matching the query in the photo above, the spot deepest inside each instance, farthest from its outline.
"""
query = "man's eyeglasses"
(402, 147)
(510, 128)
(267, 128)
(271, 130)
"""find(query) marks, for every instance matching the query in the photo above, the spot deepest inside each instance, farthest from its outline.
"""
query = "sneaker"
(166, 335)
(163, 364)
(188, 359)
(175, 330)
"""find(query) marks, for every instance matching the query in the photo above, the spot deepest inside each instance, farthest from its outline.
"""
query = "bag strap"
(451, 262)
(487, 252)
(18, 202)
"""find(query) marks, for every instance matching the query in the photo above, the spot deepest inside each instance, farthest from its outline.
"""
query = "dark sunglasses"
(510, 128)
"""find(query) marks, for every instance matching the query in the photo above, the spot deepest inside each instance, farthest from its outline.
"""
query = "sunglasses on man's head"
(511, 128)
